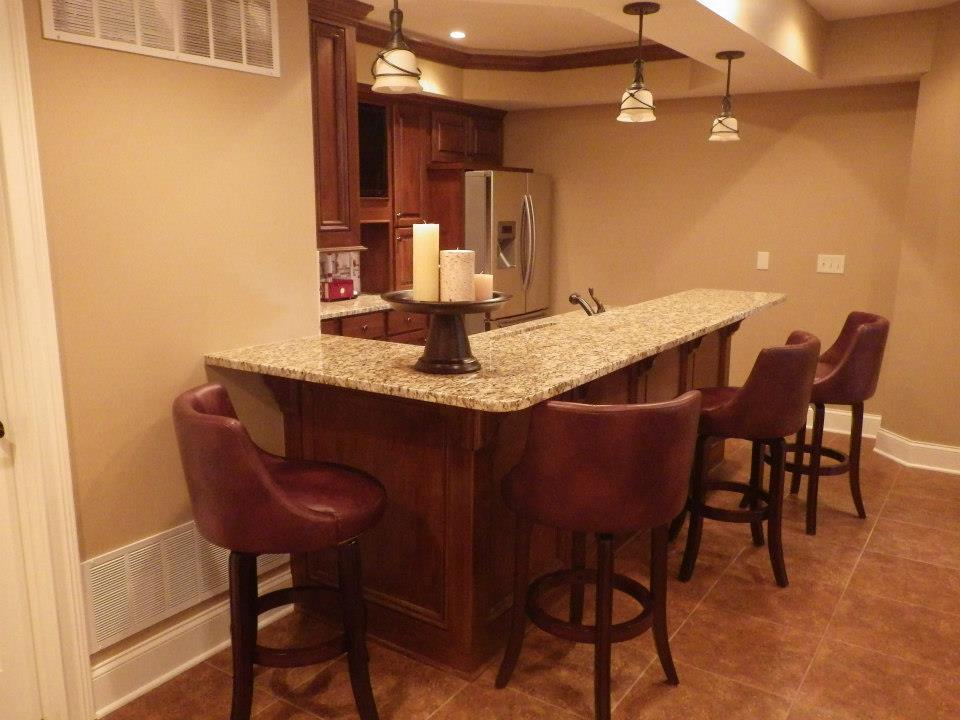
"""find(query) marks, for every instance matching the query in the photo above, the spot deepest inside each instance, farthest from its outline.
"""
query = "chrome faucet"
(601, 308)
(575, 299)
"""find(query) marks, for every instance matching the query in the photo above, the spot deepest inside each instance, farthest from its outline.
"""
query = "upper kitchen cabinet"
(467, 136)
(485, 140)
(411, 153)
(336, 148)
(449, 135)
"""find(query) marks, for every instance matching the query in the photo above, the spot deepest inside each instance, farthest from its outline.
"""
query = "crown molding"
(372, 35)
(348, 11)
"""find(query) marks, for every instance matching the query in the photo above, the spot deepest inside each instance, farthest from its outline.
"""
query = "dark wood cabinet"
(485, 140)
(449, 136)
(411, 147)
(403, 258)
(392, 326)
(336, 154)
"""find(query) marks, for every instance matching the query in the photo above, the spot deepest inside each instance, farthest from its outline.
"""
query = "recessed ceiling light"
(458, 34)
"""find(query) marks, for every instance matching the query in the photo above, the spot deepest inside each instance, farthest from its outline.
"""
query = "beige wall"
(180, 209)
(645, 210)
(924, 358)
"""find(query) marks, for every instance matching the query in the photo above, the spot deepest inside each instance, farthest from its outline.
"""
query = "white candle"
(482, 286)
(456, 275)
(426, 262)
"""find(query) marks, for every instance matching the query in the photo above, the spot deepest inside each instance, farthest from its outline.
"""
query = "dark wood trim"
(348, 11)
(372, 35)
(366, 94)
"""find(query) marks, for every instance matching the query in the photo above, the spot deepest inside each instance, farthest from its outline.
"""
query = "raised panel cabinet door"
(336, 153)
(403, 258)
(411, 148)
(486, 140)
(449, 136)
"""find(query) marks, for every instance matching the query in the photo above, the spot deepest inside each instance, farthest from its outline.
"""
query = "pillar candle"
(456, 275)
(482, 286)
(426, 262)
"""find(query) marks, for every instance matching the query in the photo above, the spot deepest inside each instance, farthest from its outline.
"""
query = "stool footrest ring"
(841, 466)
(300, 656)
(587, 634)
(731, 515)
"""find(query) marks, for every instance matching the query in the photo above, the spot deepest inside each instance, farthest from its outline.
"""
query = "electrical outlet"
(763, 260)
(832, 264)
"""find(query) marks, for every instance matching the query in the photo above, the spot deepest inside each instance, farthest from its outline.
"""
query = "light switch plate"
(832, 264)
(763, 260)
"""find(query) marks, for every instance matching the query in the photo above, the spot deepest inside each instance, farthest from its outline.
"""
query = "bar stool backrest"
(855, 357)
(607, 468)
(773, 401)
(235, 501)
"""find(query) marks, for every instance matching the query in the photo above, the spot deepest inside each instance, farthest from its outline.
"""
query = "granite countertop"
(357, 306)
(522, 365)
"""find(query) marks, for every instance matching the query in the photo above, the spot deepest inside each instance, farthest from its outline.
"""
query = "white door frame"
(30, 357)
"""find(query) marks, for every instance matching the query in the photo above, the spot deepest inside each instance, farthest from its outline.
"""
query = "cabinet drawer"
(403, 322)
(371, 326)
(330, 327)
(417, 337)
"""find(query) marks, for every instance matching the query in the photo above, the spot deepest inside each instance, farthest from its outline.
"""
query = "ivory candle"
(482, 286)
(426, 262)
(456, 275)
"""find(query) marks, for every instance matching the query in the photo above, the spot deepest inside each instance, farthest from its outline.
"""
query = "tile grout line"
(696, 606)
(836, 607)
(448, 700)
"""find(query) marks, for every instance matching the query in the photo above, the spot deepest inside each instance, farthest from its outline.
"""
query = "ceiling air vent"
(233, 34)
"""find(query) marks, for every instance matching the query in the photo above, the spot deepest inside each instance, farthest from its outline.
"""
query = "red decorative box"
(336, 290)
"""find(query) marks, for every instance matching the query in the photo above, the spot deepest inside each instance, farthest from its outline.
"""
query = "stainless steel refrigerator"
(507, 223)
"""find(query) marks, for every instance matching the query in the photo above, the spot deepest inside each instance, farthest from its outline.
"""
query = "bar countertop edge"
(522, 365)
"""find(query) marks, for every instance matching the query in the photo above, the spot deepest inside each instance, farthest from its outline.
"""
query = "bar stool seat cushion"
(347, 500)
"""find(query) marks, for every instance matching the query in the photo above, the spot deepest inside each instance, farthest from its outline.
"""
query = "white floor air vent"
(141, 584)
(235, 34)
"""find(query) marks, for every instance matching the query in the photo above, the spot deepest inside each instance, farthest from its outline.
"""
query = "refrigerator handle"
(525, 242)
(532, 215)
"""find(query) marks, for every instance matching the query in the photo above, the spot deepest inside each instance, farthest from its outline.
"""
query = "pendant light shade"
(395, 69)
(725, 126)
(636, 105)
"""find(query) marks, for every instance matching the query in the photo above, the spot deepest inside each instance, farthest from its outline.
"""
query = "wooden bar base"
(438, 569)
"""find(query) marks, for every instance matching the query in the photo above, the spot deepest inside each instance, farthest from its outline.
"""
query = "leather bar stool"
(771, 405)
(251, 502)
(606, 470)
(847, 374)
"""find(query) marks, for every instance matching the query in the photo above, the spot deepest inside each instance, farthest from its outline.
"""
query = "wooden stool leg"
(518, 617)
(856, 436)
(756, 483)
(355, 625)
(775, 522)
(800, 440)
(695, 531)
(676, 525)
(658, 588)
(813, 483)
(243, 630)
(578, 562)
(601, 664)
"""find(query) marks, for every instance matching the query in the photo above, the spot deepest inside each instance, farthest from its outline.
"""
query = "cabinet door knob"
(399, 214)
(364, 328)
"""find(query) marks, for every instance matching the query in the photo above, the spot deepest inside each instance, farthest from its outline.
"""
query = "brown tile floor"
(869, 628)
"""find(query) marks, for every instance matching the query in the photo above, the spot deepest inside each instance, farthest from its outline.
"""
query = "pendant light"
(395, 69)
(636, 105)
(725, 125)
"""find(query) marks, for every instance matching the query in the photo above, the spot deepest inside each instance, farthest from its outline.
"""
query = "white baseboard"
(838, 421)
(135, 671)
(911, 453)
(917, 454)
